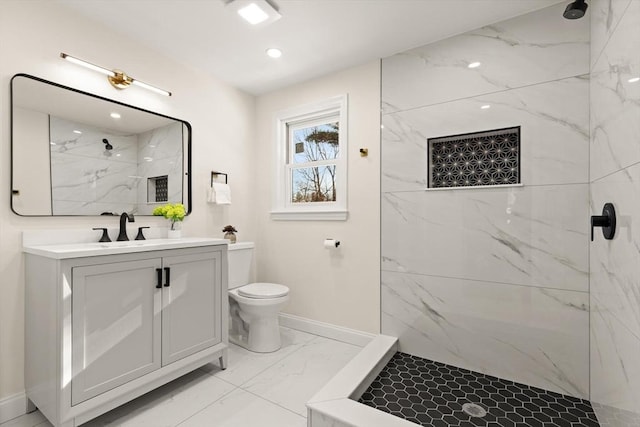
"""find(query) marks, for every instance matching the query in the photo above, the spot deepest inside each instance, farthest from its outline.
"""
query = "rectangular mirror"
(75, 153)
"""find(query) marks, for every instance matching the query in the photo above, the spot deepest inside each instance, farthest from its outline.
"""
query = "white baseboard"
(12, 407)
(327, 330)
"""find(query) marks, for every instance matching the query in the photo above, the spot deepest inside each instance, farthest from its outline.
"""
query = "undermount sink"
(76, 250)
(126, 244)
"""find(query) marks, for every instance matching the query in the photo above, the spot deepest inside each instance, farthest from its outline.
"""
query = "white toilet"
(253, 307)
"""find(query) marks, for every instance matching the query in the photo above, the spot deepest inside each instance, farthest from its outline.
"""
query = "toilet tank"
(240, 258)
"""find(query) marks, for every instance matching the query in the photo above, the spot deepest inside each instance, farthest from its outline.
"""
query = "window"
(311, 150)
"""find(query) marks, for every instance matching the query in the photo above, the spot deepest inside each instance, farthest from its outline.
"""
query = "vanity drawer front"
(115, 325)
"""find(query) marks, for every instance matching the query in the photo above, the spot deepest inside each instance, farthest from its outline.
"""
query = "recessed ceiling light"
(255, 11)
(485, 107)
(78, 132)
(473, 65)
(634, 79)
(274, 52)
(115, 115)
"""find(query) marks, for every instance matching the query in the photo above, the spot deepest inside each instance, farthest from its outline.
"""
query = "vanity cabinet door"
(115, 325)
(191, 314)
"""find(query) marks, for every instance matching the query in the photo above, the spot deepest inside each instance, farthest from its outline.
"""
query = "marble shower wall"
(87, 179)
(492, 279)
(615, 178)
(111, 180)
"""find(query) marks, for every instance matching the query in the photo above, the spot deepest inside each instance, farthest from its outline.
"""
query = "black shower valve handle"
(607, 221)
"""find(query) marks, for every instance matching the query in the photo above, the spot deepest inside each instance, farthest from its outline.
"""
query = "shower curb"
(336, 405)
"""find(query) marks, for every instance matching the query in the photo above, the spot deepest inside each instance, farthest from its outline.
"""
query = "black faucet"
(123, 226)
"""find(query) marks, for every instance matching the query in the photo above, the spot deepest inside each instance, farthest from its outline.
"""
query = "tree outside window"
(314, 151)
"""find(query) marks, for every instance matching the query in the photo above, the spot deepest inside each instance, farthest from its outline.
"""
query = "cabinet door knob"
(167, 273)
(159, 284)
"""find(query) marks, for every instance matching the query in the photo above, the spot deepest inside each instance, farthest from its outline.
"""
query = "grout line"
(492, 187)
(273, 403)
(622, 169)
(598, 55)
(279, 360)
(213, 402)
(484, 94)
(486, 281)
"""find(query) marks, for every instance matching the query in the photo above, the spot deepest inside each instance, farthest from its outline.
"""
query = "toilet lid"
(263, 290)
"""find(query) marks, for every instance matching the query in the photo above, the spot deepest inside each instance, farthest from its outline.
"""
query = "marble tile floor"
(266, 390)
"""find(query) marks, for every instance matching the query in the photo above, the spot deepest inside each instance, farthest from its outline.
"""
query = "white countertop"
(79, 250)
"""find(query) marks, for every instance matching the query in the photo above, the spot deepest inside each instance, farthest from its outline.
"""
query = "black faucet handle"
(140, 236)
(131, 217)
(105, 235)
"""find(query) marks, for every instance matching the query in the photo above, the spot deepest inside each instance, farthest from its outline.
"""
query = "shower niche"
(485, 158)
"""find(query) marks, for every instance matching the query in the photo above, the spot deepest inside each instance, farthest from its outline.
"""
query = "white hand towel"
(222, 193)
(211, 195)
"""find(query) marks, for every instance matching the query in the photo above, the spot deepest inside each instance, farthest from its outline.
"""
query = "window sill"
(309, 215)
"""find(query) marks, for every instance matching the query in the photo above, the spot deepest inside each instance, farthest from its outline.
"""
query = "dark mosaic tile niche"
(433, 394)
(475, 159)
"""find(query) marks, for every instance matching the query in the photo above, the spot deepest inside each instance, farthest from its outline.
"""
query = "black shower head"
(107, 145)
(575, 10)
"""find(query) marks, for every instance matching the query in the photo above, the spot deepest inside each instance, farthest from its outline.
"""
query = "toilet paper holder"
(331, 243)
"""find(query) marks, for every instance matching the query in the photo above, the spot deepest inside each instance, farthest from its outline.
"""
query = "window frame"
(321, 112)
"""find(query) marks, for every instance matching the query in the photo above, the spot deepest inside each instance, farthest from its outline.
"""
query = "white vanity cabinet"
(106, 328)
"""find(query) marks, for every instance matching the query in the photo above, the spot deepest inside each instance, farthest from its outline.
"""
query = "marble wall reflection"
(492, 279)
(615, 178)
(95, 171)
(159, 155)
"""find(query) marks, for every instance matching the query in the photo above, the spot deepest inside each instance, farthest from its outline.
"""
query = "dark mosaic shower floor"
(432, 394)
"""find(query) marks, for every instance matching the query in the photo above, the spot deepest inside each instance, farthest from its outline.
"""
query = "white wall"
(32, 127)
(339, 287)
(32, 35)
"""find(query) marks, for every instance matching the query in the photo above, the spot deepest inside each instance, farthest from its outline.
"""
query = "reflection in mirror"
(74, 153)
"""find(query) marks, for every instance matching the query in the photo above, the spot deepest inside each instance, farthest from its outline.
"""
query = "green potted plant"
(229, 233)
(175, 213)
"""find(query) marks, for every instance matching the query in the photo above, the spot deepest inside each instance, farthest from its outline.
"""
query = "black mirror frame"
(187, 173)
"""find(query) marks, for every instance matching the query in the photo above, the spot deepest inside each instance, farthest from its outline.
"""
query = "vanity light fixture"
(474, 65)
(78, 132)
(255, 11)
(485, 107)
(118, 79)
(115, 115)
(634, 80)
(274, 52)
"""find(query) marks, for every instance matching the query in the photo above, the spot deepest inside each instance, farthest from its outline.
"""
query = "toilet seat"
(263, 290)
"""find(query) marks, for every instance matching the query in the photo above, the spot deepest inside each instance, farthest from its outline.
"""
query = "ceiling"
(316, 36)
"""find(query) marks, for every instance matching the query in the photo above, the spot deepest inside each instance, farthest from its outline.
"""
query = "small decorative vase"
(230, 236)
(174, 234)
(175, 231)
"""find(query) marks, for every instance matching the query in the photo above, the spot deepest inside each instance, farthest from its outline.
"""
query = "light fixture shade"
(88, 65)
(118, 78)
(255, 12)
